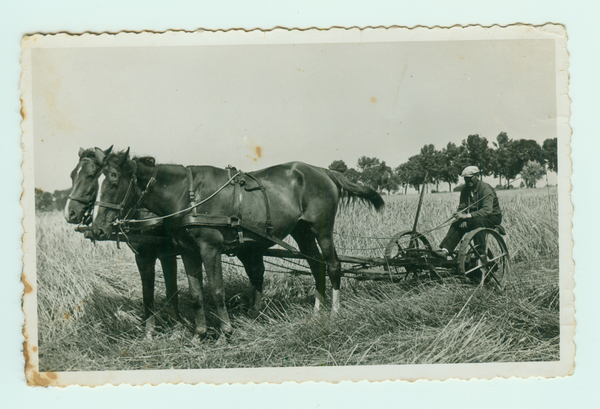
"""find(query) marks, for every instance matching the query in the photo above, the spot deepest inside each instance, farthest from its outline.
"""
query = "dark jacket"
(470, 198)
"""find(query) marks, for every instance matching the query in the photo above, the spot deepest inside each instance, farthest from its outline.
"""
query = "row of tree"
(46, 201)
(504, 159)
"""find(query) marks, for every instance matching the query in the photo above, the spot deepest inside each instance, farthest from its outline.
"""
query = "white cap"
(470, 171)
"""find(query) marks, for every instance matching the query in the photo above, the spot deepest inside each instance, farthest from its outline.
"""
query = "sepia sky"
(253, 106)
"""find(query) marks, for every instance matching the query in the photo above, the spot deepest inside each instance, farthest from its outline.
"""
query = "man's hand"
(462, 216)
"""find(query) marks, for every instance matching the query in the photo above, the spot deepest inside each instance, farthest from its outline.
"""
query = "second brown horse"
(302, 202)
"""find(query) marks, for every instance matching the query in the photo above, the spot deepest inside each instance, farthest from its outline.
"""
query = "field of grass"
(90, 302)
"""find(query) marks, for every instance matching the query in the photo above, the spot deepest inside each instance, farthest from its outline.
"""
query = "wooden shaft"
(414, 229)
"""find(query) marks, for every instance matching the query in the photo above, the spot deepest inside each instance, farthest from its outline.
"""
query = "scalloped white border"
(279, 35)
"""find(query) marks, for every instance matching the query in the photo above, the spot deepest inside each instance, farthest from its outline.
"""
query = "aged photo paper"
(181, 190)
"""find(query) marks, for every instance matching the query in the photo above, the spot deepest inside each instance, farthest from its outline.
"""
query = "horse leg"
(334, 267)
(308, 246)
(169, 267)
(211, 256)
(193, 270)
(145, 262)
(252, 259)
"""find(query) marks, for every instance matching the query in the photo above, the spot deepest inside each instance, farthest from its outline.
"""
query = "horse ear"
(107, 152)
(124, 158)
(81, 152)
(100, 156)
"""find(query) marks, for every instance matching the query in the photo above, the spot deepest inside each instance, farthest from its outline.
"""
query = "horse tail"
(350, 191)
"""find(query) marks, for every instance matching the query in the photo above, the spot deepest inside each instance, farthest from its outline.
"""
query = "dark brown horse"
(291, 199)
(146, 243)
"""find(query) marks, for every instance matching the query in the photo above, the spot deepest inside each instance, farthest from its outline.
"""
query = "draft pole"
(413, 242)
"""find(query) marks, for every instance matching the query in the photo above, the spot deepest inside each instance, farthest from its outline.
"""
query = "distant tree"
(431, 163)
(529, 150)
(43, 200)
(375, 173)
(450, 164)
(532, 172)
(368, 169)
(59, 197)
(338, 166)
(352, 175)
(402, 175)
(411, 173)
(505, 161)
(364, 162)
(389, 181)
(510, 156)
(415, 172)
(477, 153)
(550, 152)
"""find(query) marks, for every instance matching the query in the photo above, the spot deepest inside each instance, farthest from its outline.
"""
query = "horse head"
(84, 180)
(117, 193)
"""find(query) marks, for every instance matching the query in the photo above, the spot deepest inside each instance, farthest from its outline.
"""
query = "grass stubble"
(90, 313)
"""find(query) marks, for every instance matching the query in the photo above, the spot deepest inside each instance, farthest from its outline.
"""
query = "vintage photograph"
(288, 205)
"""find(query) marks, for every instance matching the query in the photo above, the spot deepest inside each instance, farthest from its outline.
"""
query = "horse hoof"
(253, 313)
(202, 334)
(222, 340)
(177, 325)
(177, 332)
(175, 320)
(198, 338)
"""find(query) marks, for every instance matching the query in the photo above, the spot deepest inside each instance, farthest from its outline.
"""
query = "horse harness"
(87, 201)
(241, 182)
(191, 215)
(132, 183)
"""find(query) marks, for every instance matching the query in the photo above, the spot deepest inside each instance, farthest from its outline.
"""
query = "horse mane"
(115, 156)
(89, 154)
(145, 160)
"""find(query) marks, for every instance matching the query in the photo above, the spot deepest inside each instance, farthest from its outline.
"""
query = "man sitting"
(478, 207)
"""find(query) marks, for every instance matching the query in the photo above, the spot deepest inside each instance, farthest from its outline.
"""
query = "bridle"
(130, 188)
(88, 202)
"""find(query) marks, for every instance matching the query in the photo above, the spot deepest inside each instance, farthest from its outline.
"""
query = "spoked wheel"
(397, 249)
(483, 257)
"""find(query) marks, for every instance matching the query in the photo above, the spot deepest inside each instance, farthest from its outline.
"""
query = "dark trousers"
(456, 233)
